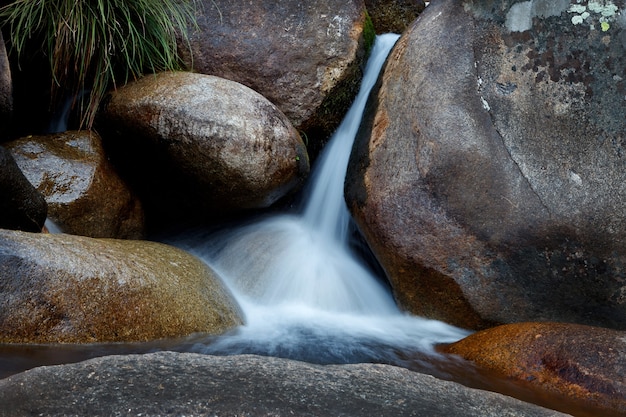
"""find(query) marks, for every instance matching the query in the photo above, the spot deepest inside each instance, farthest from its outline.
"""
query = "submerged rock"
(22, 207)
(488, 176)
(74, 289)
(195, 144)
(85, 195)
(169, 383)
(581, 363)
(305, 57)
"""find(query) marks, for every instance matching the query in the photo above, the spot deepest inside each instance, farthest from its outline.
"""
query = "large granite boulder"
(583, 364)
(59, 288)
(305, 57)
(488, 175)
(173, 384)
(22, 207)
(196, 144)
(85, 194)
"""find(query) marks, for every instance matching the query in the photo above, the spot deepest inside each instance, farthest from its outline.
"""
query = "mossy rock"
(74, 289)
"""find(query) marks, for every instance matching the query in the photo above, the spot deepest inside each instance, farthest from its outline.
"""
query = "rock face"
(6, 88)
(85, 194)
(489, 180)
(22, 207)
(393, 16)
(74, 289)
(582, 363)
(169, 383)
(195, 144)
(305, 57)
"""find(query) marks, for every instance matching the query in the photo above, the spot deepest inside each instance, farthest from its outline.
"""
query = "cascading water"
(304, 293)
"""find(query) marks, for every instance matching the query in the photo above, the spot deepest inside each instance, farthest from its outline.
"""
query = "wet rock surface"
(393, 16)
(85, 195)
(581, 363)
(74, 289)
(194, 145)
(489, 180)
(22, 207)
(305, 57)
(182, 383)
(6, 88)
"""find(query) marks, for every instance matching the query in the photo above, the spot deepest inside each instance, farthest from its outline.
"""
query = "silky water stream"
(304, 292)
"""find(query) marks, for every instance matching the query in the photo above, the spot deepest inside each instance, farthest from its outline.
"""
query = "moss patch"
(369, 34)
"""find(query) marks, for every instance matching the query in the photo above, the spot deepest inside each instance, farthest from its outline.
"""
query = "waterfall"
(303, 259)
(305, 295)
(60, 119)
(325, 209)
(52, 227)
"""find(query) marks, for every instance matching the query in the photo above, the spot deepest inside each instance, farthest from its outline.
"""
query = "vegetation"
(93, 45)
(369, 33)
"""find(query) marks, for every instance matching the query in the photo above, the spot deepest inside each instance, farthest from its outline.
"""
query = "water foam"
(304, 293)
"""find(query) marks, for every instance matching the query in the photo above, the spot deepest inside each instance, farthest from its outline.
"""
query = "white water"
(304, 293)
(52, 226)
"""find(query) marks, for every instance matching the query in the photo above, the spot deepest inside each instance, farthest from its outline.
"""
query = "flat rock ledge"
(169, 383)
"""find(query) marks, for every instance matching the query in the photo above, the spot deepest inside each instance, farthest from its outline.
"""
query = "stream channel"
(305, 292)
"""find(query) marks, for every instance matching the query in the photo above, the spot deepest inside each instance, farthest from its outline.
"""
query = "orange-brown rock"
(85, 194)
(59, 288)
(582, 363)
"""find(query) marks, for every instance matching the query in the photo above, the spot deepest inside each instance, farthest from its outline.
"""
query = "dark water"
(18, 358)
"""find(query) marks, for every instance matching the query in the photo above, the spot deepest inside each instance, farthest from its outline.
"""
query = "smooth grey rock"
(168, 384)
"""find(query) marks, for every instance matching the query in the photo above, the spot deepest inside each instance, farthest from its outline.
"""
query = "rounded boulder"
(488, 175)
(84, 192)
(583, 364)
(196, 144)
(58, 288)
(22, 207)
(305, 57)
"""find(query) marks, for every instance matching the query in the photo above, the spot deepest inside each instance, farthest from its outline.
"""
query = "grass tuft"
(95, 45)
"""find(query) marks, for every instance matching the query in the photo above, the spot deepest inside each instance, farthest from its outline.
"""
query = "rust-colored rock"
(488, 175)
(584, 364)
(85, 194)
(59, 288)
